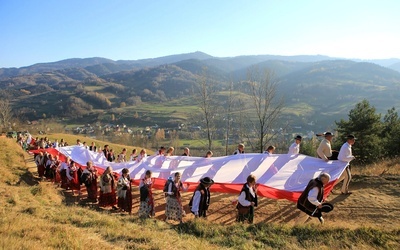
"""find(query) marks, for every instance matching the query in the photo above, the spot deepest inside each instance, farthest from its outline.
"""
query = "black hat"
(328, 134)
(298, 137)
(206, 180)
(351, 137)
(326, 207)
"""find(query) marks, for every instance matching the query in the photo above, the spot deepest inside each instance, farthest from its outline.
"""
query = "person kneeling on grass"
(310, 201)
(201, 198)
(247, 200)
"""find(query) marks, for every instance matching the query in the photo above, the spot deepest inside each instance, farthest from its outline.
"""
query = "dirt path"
(375, 202)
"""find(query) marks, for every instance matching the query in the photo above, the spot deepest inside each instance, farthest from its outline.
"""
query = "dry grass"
(35, 215)
(384, 167)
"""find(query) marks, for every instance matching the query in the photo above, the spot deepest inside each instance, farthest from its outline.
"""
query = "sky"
(38, 31)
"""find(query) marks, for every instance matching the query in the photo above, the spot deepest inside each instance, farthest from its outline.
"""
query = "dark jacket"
(249, 197)
(204, 199)
(303, 203)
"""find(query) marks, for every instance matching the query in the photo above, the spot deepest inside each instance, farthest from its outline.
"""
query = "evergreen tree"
(391, 133)
(366, 125)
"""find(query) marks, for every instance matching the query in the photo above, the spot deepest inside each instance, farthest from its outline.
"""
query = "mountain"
(395, 66)
(100, 66)
(315, 88)
(48, 67)
(335, 86)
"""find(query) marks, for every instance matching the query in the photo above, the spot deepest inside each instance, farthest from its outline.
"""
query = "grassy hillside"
(71, 139)
(35, 215)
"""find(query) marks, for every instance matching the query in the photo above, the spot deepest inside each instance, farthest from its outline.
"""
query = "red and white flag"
(279, 176)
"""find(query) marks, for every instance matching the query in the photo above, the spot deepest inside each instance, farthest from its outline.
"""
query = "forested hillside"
(316, 89)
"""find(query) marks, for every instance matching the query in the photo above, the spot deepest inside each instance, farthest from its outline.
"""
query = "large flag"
(279, 176)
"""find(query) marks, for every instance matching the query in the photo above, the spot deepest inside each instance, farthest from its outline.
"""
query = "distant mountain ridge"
(102, 66)
(315, 88)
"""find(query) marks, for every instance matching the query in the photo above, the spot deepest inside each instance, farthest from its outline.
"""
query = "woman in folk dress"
(107, 189)
(146, 209)
(124, 192)
(73, 179)
(174, 209)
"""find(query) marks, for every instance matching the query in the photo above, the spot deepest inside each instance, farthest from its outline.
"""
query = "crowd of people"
(108, 190)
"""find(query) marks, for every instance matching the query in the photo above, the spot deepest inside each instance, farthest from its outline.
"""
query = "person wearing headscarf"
(73, 179)
(107, 189)
(124, 192)
(89, 177)
(146, 209)
(201, 198)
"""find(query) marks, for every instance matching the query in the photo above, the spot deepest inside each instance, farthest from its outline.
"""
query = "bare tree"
(5, 113)
(228, 110)
(266, 106)
(207, 101)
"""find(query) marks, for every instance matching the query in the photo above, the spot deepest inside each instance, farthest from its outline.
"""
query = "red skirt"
(92, 191)
(74, 182)
(57, 176)
(109, 199)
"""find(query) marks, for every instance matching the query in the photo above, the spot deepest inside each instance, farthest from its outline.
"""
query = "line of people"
(113, 193)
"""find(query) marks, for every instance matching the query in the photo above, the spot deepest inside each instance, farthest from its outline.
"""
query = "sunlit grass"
(34, 215)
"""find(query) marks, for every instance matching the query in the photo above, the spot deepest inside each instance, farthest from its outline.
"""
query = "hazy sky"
(33, 31)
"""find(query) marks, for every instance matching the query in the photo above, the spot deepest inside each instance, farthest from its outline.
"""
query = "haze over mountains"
(315, 88)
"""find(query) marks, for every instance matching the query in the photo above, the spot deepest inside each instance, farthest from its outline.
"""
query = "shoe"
(321, 220)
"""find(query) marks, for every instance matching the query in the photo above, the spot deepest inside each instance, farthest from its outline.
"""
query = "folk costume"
(107, 191)
(55, 168)
(63, 173)
(73, 179)
(146, 208)
(90, 180)
(39, 160)
(346, 155)
(174, 209)
(124, 193)
(201, 198)
(294, 149)
(244, 207)
(48, 171)
(311, 198)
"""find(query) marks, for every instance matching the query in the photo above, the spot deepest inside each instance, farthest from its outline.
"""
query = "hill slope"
(365, 220)
(318, 91)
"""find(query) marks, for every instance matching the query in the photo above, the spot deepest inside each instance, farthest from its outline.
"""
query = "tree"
(266, 106)
(391, 133)
(5, 113)
(228, 110)
(207, 101)
(366, 125)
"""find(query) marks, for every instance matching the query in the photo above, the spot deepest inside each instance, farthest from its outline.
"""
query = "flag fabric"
(279, 176)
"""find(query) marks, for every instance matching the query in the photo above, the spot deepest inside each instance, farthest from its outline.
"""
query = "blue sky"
(34, 31)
